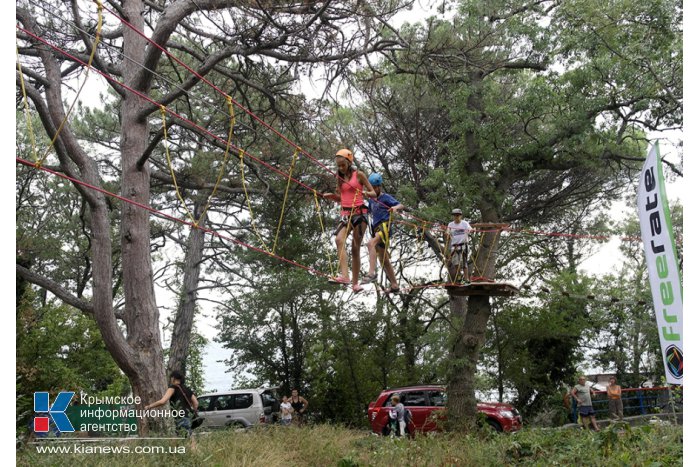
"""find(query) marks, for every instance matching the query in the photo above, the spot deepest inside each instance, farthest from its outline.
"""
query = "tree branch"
(55, 289)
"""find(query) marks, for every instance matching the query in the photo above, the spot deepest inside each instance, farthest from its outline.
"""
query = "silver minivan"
(239, 408)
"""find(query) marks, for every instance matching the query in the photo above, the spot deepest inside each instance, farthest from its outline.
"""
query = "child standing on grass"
(397, 416)
(286, 408)
(351, 188)
(381, 209)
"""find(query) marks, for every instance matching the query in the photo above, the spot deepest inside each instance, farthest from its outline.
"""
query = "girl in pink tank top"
(351, 188)
(350, 194)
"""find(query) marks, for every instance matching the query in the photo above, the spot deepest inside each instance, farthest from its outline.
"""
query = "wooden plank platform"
(499, 289)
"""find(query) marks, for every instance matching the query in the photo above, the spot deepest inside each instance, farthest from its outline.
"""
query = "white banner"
(664, 277)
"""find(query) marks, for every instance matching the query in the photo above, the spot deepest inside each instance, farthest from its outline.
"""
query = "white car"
(238, 408)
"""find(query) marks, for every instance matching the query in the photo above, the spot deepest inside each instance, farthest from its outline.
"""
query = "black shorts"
(355, 216)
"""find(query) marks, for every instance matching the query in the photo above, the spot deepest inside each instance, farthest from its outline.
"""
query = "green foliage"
(60, 349)
(535, 349)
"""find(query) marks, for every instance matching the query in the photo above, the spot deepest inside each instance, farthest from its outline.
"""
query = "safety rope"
(286, 192)
(439, 225)
(223, 93)
(241, 152)
(436, 285)
(386, 250)
(27, 116)
(492, 246)
(323, 234)
(447, 258)
(166, 145)
(474, 255)
(420, 240)
(86, 71)
(168, 216)
(232, 123)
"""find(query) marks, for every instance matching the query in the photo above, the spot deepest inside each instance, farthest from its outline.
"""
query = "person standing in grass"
(287, 410)
(181, 398)
(615, 399)
(398, 418)
(582, 393)
(299, 404)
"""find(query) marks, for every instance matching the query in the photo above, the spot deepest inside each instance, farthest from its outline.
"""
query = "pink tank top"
(351, 192)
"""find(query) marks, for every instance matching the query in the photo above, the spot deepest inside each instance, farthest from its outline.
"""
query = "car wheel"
(235, 425)
(494, 424)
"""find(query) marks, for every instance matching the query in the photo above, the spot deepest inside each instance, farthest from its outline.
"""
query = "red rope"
(169, 217)
(174, 114)
(274, 169)
(241, 106)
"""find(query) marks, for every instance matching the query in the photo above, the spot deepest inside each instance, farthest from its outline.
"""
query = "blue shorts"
(586, 410)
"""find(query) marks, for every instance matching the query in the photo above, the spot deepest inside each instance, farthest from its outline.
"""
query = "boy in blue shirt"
(380, 208)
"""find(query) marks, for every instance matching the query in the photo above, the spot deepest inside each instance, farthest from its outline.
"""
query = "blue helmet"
(375, 179)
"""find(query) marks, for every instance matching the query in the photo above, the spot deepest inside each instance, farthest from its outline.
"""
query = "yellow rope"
(478, 252)
(421, 241)
(448, 240)
(86, 71)
(323, 232)
(286, 192)
(27, 115)
(386, 240)
(386, 250)
(232, 121)
(170, 164)
(241, 152)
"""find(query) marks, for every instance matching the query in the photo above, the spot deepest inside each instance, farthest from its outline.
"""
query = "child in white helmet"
(381, 231)
(456, 234)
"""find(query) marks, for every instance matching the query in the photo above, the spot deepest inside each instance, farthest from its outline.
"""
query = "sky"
(216, 378)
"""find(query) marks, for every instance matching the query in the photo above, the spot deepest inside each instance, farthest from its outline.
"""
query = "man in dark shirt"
(181, 398)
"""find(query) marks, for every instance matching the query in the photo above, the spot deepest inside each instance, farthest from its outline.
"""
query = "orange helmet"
(344, 153)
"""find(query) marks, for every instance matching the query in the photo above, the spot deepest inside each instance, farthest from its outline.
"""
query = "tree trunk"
(146, 372)
(499, 359)
(182, 327)
(297, 353)
(407, 335)
(470, 318)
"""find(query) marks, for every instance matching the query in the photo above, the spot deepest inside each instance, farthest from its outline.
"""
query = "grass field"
(327, 445)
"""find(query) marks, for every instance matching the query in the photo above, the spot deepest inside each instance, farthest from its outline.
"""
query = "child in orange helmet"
(351, 188)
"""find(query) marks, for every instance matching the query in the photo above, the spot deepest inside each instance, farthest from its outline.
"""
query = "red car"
(427, 404)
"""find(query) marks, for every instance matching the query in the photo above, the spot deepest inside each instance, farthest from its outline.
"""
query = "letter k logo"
(57, 411)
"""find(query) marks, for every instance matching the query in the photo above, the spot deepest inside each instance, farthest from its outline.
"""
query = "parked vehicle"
(427, 405)
(239, 408)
